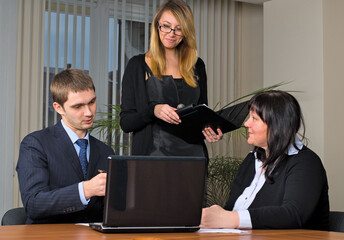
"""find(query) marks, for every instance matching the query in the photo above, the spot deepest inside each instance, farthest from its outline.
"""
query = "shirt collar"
(71, 134)
(291, 150)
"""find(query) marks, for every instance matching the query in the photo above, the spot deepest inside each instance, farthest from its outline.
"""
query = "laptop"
(153, 194)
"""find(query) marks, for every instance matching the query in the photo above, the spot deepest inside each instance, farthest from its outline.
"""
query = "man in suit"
(58, 178)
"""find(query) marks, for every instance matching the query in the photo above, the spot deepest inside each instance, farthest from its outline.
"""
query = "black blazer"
(136, 114)
(49, 171)
(298, 198)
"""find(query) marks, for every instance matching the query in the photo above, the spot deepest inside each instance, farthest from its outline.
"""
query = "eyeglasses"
(166, 29)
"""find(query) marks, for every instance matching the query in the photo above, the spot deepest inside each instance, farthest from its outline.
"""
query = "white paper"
(83, 224)
(219, 230)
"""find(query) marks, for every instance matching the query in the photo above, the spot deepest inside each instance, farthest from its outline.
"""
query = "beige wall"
(249, 48)
(333, 100)
(248, 57)
(303, 44)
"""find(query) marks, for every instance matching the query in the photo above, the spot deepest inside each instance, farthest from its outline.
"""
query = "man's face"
(79, 111)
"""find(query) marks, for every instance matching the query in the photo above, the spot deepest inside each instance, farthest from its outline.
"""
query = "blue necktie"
(82, 155)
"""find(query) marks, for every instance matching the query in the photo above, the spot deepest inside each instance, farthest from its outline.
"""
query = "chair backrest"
(14, 216)
(336, 221)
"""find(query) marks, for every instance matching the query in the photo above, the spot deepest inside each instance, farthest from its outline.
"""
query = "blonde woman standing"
(155, 84)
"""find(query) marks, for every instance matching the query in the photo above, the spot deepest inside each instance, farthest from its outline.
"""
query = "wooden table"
(77, 232)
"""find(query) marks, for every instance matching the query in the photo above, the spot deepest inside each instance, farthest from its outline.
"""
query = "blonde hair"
(187, 48)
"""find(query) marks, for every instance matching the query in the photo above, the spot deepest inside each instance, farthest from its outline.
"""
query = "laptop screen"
(154, 191)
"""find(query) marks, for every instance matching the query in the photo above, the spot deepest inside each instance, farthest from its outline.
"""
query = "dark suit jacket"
(298, 198)
(49, 171)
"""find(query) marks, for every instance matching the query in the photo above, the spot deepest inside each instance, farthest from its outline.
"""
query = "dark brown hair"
(282, 114)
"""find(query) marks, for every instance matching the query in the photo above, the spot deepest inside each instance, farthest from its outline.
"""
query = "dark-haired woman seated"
(281, 183)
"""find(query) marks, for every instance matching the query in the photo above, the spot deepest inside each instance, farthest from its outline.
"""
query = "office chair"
(14, 216)
(336, 221)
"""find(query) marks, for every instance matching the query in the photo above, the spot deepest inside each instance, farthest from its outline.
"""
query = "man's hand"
(95, 186)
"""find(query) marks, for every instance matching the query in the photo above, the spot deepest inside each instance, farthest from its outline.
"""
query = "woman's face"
(257, 131)
(169, 40)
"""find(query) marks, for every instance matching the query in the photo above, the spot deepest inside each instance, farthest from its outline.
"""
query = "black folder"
(196, 117)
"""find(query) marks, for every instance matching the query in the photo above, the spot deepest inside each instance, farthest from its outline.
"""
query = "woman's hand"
(211, 136)
(166, 113)
(216, 217)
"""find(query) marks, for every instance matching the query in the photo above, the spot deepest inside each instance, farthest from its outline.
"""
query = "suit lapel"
(68, 149)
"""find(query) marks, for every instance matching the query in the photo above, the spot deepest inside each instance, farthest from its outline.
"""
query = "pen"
(101, 171)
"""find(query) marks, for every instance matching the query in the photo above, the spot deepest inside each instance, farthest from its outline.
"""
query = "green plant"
(221, 173)
(108, 126)
(251, 94)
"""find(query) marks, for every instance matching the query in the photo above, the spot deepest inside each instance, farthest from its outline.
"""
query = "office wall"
(302, 44)
(333, 99)
(249, 48)
(248, 56)
(293, 50)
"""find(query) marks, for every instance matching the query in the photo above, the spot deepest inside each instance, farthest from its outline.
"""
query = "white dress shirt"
(74, 137)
